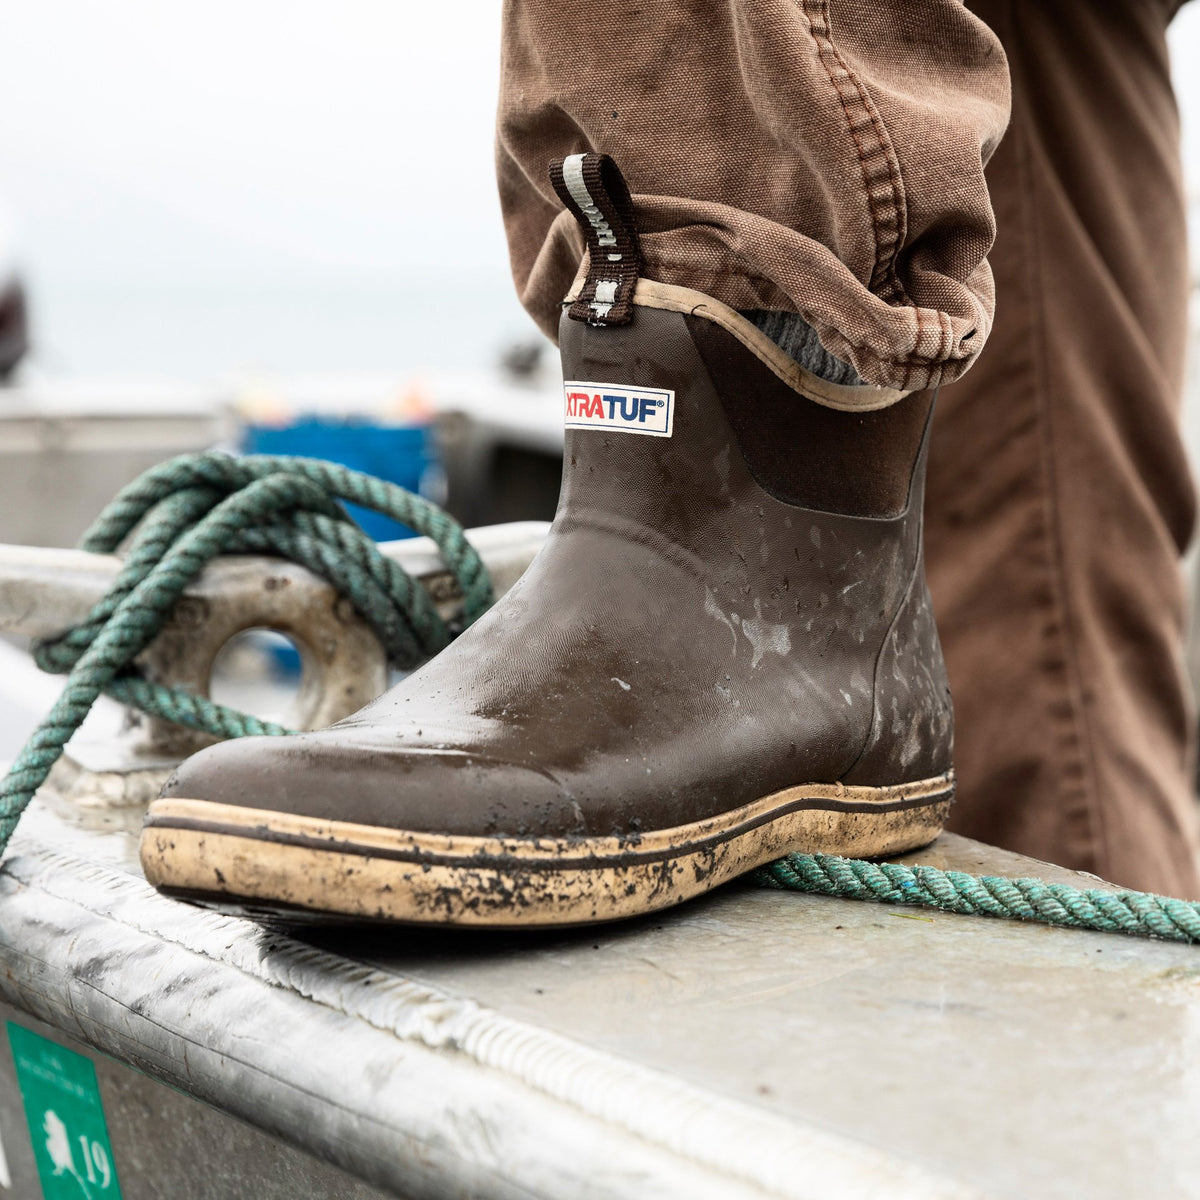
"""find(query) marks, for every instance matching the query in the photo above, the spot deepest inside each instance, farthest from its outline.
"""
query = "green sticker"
(66, 1119)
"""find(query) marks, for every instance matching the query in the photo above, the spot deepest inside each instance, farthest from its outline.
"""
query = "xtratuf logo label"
(619, 407)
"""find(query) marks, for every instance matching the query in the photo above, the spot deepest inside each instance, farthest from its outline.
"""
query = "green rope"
(1141, 913)
(180, 515)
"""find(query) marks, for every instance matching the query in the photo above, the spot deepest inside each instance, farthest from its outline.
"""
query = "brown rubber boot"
(724, 652)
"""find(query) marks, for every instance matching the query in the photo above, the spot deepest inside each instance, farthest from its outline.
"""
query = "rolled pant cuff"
(907, 348)
(898, 346)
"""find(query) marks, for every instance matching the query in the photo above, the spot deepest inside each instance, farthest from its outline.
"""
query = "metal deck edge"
(261, 1025)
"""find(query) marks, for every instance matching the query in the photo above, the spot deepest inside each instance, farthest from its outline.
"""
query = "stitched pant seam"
(1076, 740)
(887, 216)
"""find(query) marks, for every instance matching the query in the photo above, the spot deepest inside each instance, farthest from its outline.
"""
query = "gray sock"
(797, 338)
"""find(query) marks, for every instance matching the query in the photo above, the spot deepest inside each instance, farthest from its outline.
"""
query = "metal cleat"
(43, 592)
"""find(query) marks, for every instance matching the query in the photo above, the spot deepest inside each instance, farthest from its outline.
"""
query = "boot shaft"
(799, 524)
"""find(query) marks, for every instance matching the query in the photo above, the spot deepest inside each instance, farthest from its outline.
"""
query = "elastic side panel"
(860, 464)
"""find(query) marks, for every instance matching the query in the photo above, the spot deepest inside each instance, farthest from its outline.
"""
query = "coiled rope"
(189, 510)
(184, 513)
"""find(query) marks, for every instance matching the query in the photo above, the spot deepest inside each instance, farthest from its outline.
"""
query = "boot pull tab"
(593, 188)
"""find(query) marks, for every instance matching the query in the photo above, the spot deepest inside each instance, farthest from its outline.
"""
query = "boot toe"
(253, 772)
(419, 788)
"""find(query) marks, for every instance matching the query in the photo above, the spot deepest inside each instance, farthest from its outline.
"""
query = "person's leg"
(814, 156)
(725, 650)
(1060, 497)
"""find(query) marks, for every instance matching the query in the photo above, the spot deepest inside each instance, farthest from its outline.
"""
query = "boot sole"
(258, 861)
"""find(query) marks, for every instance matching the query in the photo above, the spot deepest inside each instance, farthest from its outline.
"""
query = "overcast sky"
(246, 143)
(167, 140)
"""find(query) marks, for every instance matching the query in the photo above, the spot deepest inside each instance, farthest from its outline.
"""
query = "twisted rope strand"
(225, 474)
(1140, 913)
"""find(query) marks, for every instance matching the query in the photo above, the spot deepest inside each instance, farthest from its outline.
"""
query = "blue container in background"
(401, 454)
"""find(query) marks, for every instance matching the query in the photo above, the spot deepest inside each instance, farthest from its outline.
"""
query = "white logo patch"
(619, 407)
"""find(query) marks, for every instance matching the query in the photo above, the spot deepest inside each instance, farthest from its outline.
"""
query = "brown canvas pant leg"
(1059, 496)
(826, 159)
(813, 156)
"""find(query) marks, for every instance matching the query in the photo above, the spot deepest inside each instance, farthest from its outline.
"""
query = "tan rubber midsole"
(263, 823)
(366, 871)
